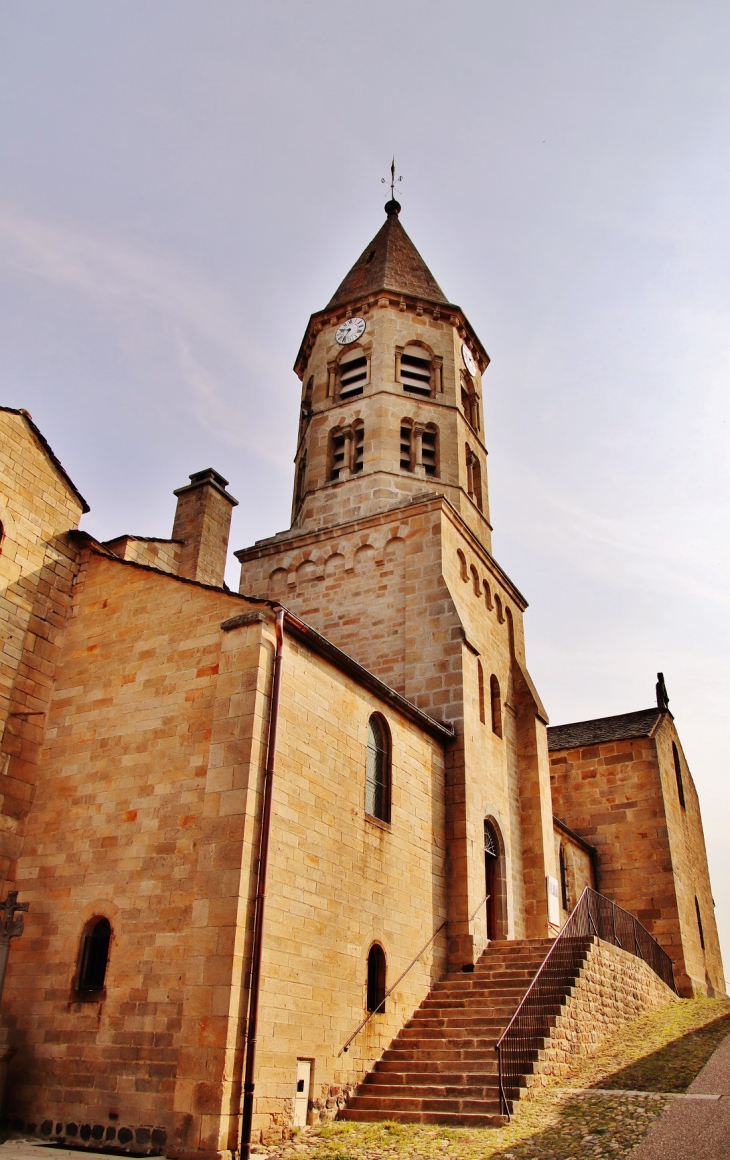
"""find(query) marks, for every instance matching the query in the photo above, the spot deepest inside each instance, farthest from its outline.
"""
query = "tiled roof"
(390, 262)
(603, 729)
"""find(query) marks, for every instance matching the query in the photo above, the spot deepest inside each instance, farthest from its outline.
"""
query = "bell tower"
(389, 556)
(391, 407)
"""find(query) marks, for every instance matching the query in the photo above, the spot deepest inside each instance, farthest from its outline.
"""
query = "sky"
(183, 182)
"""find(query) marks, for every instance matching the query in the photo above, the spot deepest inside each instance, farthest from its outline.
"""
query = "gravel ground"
(559, 1125)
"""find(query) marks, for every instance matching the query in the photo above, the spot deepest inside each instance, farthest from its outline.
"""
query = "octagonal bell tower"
(391, 407)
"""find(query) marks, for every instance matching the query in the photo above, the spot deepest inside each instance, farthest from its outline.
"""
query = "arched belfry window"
(358, 446)
(376, 979)
(496, 700)
(406, 445)
(301, 477)
(377, 782)
(470, 402)
(353, 371)
(416, 370)
(94, 955)
(430, 451)
(678, 775)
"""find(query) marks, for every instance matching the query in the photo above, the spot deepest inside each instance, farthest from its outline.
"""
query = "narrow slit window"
(301, 476)
(477, 483)
(415, 370)
(496, 700)
(358, 448)
(376, 979)
(353, 373)
(377, 781)
(699, 924)
(95, 956)
(429, 451)
(480, 682)
(406, 447)
(337, 453)
(678, 775)
(563, 879)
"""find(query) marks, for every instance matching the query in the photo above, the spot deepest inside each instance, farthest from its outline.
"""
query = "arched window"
(358, 446)
(480, 681)
(376, 978)
(678, 775)
(498, 606)
(353, 370)
(337, 453)
(2, 535)
(699, 924)
(377, 782)
(563, 878)
(496, 700)
(475, 581)
(94, 955)
(406, 445)
(510, 630)
(416, 370)
(462, 565)
(473, 477)
(470, 402)
(487, 594)
(306, 410)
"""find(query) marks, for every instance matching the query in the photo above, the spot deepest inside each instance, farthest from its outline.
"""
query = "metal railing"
(400, 978)
(593, 917)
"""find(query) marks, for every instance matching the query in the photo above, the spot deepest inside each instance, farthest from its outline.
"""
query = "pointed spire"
(390, 262)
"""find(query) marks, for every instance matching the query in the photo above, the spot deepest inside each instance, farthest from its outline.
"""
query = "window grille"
(94, 956)
(428, 451)
(377, 787)
(353, 373)
(358, 448)
(415, 370)
(406, 447)
(337, 454)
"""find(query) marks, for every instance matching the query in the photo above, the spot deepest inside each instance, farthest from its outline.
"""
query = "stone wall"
(613, 987)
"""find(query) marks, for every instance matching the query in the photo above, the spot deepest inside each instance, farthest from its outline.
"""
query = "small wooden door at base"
(301, 1099)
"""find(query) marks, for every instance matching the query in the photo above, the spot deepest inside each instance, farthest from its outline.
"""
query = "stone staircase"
(441, 1068)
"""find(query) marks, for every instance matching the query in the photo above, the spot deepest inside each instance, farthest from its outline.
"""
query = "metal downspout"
(253, 1008)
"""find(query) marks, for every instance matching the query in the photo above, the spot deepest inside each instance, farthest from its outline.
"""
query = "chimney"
(203, 523)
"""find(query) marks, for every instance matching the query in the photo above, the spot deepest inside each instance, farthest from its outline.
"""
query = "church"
(255, 831)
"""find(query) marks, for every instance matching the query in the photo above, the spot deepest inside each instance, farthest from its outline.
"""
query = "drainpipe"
(253, 1008)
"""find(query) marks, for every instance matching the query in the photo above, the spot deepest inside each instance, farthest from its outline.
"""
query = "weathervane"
(393, 180)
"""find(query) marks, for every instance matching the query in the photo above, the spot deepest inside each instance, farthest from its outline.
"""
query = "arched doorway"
(494, 881)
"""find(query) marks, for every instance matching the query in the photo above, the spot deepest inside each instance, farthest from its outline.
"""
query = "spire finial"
(392, 206)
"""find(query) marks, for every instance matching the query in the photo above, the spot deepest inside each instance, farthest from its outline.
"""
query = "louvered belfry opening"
(415, 370)
(406, 447)
(353, 373)
(337, 453)
(429, 451)
(358, 448)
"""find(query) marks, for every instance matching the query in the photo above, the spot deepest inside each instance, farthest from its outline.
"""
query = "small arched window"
(678, 775)
(475, 581)
(376, 978)
(462, 565)
(496, 700)
(480, 681)
(377, 781)
(2, 536)
(470, 402)
(498, 606)
(416, 370)
(487, 595)
(563, 878)
(473, 477)
(406, 445)
(353, 369)
(510, 630)
(94, 955)
(699, 924)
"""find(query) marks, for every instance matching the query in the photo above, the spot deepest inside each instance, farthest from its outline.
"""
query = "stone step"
(446, 1119)
(404, 1093)
(406, 1103)
(465, 1068)
(442, 1076)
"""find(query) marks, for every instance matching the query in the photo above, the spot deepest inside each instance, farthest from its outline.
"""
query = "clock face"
(350, 331)
(468, 358)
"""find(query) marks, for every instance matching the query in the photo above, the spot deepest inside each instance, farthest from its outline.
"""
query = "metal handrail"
(594, 916)
(375, 1010)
